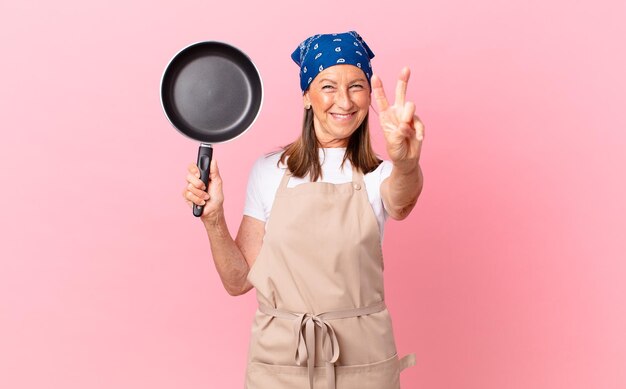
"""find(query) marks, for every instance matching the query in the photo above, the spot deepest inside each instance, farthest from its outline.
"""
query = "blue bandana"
(321, 51)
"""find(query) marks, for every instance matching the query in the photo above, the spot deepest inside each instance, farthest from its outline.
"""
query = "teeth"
(340, 116)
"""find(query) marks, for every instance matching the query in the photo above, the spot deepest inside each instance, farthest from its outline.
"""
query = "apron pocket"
(379, 375)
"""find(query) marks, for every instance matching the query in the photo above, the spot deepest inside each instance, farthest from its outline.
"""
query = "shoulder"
(268, 163)
(263, 182)
(381, 172)
(385, 167)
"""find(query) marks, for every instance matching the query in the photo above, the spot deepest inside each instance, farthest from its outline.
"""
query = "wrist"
(213, 218)
(406, 167)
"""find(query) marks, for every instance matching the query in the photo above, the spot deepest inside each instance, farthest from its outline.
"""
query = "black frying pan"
(211, 92)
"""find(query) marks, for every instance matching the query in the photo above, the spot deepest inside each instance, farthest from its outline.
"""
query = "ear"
(306, 101)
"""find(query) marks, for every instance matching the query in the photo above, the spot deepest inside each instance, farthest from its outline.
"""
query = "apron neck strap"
(285, 180)
(357, 176)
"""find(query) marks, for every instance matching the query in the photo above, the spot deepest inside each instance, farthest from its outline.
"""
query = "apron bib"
(322, 321)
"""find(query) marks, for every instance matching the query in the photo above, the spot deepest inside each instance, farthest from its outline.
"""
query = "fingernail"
(206, 196)
(203, 202)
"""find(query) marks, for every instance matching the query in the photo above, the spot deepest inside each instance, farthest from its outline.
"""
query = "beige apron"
(322, 321)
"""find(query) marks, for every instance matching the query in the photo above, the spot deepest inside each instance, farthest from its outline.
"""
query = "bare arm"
(401, 190)
(232, 258)
(404, 133)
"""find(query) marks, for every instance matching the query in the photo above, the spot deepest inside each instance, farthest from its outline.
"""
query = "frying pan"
(211, 92)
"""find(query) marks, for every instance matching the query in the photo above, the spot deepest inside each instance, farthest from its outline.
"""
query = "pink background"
(510, 272)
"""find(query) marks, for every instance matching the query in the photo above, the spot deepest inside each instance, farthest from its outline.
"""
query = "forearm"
(227, 256)
(405, 186)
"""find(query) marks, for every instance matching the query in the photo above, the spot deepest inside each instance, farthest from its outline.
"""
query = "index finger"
(403, 80)
(193, 168)
(379, 93)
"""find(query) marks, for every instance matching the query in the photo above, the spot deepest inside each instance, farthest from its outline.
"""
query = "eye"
(327, 87)
(358, 86)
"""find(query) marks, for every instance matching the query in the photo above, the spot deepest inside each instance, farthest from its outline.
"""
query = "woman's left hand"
(403, 130)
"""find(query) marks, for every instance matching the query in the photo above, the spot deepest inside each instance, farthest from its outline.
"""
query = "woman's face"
(340, 98)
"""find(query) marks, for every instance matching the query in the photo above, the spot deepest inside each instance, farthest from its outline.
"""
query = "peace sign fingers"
(403, 130)
(379, 91)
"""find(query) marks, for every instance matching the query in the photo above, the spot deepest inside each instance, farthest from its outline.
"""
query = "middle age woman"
(310, 238)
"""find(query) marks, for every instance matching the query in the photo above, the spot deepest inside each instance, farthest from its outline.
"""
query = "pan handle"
(205, 154)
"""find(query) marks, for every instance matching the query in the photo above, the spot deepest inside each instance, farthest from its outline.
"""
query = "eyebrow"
(333, 82)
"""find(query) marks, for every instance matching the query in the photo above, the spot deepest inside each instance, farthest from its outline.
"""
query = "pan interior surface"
(211, 92)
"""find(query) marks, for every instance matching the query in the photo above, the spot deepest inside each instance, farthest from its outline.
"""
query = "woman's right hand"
(194, 192)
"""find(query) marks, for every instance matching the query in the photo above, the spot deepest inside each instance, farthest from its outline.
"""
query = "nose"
(343, 100)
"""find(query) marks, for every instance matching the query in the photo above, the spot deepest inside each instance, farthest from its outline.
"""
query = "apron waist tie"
(305, 343)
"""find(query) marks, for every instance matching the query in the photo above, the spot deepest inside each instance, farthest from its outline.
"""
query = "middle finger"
(195, 181)
(403, 81)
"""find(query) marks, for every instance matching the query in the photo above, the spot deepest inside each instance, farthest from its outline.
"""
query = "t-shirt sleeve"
(385, 171)
(254, 203)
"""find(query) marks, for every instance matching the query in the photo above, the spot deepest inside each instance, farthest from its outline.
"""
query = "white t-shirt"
(265, 178)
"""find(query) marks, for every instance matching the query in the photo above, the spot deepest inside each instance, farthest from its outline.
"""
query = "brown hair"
(304, 155)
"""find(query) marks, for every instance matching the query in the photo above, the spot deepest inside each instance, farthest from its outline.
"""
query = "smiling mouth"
(339, 116)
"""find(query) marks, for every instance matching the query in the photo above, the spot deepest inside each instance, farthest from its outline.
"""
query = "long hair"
(303, 153)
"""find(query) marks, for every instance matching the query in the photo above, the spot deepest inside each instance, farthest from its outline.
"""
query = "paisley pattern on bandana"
(321, 51)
